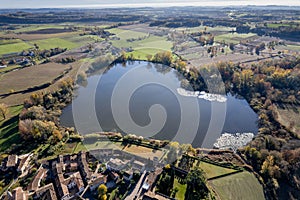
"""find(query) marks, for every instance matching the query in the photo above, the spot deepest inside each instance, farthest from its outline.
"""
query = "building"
(101, 179)
(128, 174)
(69, 187)
(12, 161)
(46, 192)
(116, 164)
(84, 167)
(35, 183)
(137, 165)
(17, 194)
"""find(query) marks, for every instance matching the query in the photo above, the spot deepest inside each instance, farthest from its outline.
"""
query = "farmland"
(141, 43)
(13, 47)
(260, 50)
(242, 185)
(234, 38)
(53, 43)
(9, 129)
(214, 170)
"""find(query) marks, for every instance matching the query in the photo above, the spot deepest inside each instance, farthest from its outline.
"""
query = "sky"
(137, 3)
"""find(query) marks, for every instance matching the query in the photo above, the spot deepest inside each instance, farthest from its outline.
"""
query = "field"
(276, 25)
(9, 129)
(289, 117)
(143, 44)
(13, 47)
(28, 28)
(134, 149)
(53, 43)
(21, 80)
(214, 170)
(208, 29)
(238, 186)
(234, 38)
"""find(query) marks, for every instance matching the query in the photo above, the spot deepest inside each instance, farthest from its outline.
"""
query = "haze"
(136, 3)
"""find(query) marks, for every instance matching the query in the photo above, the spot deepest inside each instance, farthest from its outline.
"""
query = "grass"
(289, 117)
(293, 47)
(22, 79)
(53, 43)
(9, 129)
(82, 40)
(10, 67)
(133, 149)
(181, 189)
(276, 25)
(242, 185)
(234, 38)
(102, 145)
(126, 34)
(214, 170)
(13, 47)
(36, 27)
(149, 45)
(9, 41)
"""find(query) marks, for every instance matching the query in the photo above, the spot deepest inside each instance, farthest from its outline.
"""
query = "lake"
(146, 99)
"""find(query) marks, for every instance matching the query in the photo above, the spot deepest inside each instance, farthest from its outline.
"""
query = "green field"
(13, 47)
(147, 45)
(36, 28)
(276, 25)
(10, 67)
(126, 34)
(234, 38)
(214, 170)
(181, 189)
(82, 40)
(9, 129)
(238, 186)
(53, 43)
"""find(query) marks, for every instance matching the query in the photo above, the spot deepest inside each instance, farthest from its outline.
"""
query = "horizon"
(35, 4)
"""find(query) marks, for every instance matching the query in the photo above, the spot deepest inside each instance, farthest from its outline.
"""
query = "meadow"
(243, 185)
(142, 44)
(234, 38)
(9, 129)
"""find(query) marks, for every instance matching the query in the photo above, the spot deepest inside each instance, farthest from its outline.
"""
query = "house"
(24, 164)
(137, 165)
(46, 192)
(83, 166)
(101, 179)
(35, 183)
(151, 179)
(116, 164)
(155, 196)
(17, 194)
(113, 176)
(68, 187)
(12, 162)
(128, 174)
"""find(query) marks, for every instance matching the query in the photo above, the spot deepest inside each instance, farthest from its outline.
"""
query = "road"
(137, 188)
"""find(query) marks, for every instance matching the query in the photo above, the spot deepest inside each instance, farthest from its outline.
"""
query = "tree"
(3, 110)
(196, 185)
(102, 190)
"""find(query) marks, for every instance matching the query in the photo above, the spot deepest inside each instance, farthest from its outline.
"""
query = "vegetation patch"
(234, 38)
(9, 134)
(242, 185)
(214, 170)
(54, 43)
(14, 47)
